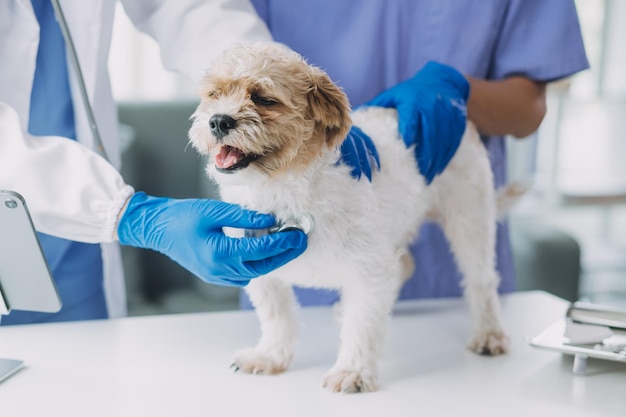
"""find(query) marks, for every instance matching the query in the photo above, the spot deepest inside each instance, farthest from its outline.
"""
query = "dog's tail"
(508, 196)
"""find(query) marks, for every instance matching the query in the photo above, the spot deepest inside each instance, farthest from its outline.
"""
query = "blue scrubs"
(370, 46)
(76, 267)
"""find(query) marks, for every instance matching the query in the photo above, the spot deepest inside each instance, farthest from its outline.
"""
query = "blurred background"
(568, 233)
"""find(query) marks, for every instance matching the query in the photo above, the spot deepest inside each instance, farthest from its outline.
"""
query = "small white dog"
(271, 125)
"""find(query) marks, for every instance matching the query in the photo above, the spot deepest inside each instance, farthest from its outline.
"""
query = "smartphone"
(25, 279)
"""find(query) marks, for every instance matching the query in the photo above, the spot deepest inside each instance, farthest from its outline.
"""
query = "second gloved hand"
(432, 114)
(190, 232)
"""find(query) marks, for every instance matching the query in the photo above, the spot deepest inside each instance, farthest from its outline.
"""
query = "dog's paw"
(255, 361)
(350, 381)
(494, 342)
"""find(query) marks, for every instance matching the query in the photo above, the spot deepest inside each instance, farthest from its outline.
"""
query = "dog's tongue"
(227, 157)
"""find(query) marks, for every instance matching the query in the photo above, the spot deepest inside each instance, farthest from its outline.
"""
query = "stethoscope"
(99, 147)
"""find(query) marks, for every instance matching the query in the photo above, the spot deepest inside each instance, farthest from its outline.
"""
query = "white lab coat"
(70, 190)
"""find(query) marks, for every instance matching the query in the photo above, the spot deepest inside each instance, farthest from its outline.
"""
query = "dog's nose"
(220, 124)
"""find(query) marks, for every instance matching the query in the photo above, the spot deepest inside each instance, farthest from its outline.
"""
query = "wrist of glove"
(190, 232)
(432, 114)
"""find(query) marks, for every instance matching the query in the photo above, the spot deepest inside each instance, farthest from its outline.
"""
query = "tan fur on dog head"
(286, 111)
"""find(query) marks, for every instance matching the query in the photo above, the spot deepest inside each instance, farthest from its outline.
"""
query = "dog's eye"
(212, 94)
(262, 101)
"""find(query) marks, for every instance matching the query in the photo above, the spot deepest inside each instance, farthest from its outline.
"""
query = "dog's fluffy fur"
(277, 152)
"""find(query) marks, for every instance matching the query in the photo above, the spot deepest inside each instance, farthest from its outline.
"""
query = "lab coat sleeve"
(191, 33)
(71, 191)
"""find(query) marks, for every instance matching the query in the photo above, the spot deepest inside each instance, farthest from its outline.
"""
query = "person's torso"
(369, 46)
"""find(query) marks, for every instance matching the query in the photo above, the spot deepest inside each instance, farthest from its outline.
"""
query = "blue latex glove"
(358, 151)
(190, 232)
(432, 114)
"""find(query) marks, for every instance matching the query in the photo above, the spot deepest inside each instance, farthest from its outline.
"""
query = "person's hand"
(190, 232)
(358, 151)
(432, 114)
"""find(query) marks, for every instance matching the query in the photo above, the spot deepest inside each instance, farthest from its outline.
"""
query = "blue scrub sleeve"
(557, 51)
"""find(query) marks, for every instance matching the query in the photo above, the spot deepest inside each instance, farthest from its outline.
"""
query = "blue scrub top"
(370, 46)
(76, 267)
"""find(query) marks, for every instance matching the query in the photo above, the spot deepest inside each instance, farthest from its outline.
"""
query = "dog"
(271, 126)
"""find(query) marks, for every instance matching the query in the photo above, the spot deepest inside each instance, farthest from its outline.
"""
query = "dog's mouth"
(231, 159)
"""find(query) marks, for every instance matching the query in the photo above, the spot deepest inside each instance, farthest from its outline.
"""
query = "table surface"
(178, 365)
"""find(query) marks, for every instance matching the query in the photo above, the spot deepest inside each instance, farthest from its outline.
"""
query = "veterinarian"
(76, 196)
(501, 52)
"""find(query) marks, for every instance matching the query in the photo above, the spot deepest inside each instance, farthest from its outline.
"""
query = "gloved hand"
(432, 114)
(358, 151)
(190, 232)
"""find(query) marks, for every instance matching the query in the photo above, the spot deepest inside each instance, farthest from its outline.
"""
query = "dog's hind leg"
(472, 240)
(467, 213)
(275, 306)
(365, 308)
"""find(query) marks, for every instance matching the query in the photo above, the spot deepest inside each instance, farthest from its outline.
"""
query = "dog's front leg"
(364, 313)
(275, 306)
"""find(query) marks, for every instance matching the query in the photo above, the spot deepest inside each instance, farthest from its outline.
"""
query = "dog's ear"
(329, 107)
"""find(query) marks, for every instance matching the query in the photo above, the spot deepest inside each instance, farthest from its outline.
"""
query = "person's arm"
(192, 33)
(512, 106)
(74, 193)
